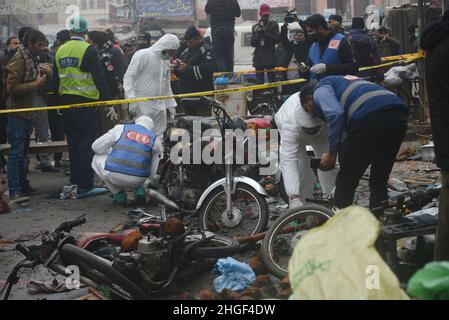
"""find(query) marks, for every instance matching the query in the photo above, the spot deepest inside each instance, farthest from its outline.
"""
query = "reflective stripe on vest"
(364, 98)
(73, 80)
(359, 97)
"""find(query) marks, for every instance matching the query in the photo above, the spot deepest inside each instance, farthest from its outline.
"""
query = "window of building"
(101, 4)
(304, 7)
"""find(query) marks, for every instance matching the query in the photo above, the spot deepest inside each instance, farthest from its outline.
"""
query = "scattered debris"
(397, 185)
(235, 275)
(431, 283)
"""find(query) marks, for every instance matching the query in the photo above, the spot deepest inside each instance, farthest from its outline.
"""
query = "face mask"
(165, 55)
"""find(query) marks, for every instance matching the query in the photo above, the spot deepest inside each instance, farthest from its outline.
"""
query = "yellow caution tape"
(418, 55)
(405, 59)
(177, 96)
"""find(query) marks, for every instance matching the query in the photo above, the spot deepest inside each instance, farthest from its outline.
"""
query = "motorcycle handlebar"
(24, 251)
(68, 226)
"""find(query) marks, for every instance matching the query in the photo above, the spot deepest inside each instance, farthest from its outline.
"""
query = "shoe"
(18, 198)
(119, 198)
(140, 196)
(49, 169)
(83, 190)
(30, 191)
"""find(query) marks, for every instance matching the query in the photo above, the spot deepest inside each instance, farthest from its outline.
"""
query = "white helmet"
(145, 122)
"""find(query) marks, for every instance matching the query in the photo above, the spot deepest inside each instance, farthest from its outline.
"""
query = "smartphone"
(315, 163)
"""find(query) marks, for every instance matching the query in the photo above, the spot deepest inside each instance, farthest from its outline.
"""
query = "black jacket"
(435, 39)
(223, 14)
(265, 42)
(348, 64)
(199, 74)
(299, 50)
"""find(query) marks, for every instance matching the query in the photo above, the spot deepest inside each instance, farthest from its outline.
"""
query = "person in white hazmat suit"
(299, 130)
(148, 75)
(126, 156)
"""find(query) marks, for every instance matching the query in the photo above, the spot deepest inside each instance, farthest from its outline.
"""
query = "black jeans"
(260, 74)
(223, 43)
(374, 141)
(56, 124)
(81, 129)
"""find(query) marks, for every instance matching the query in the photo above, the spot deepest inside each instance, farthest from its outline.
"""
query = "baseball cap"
(265, 9)
(336, 17)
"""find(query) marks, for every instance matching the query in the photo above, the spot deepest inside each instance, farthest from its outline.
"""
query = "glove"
(172, 112)
(112, 114)
(318, 68)
(295, 203)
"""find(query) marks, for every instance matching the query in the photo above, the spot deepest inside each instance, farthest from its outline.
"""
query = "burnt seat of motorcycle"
(187, 122)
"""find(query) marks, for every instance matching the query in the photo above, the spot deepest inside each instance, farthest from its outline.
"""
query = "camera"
(291, 16)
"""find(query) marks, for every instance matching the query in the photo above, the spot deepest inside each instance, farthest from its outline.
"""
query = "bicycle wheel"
(99, 271)
(249, 216)
(284, 234)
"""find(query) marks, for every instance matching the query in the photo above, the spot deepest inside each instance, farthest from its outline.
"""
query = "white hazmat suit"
(293, 121)
(148, 75)
(117, 182)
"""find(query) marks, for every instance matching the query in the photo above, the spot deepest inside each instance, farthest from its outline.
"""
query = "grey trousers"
(442, 240)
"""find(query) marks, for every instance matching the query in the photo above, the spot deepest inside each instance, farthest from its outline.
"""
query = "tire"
(278, 268)
(262, 220)
(82, 258)
(216, 248)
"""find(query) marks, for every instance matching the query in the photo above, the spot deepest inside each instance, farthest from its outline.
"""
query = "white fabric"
(117, 182)
(395, 76)
(298, 176)
(148, 75)
(295, 203)
(318, 68)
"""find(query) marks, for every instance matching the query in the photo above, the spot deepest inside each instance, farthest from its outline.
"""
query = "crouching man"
(124, 158)
(299, 129)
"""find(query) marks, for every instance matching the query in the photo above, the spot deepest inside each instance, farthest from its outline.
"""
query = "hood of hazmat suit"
(148, 75)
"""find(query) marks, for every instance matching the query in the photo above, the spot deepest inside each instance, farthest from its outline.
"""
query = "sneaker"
(30, 191)
(119, 198)
(17, 199)
(140, 196)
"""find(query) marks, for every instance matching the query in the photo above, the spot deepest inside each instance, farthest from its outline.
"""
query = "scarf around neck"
(31, 64)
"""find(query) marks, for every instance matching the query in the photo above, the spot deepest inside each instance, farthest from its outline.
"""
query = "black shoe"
(30, 191)
(49, 169)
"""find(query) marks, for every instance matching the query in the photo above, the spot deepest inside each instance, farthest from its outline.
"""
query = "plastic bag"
(431, 282)
(339, 261)
(235, 275)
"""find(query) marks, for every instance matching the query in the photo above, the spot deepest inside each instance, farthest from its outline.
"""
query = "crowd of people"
(345, 114)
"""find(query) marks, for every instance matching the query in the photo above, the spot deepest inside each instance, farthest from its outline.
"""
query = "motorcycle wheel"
(99, 271)
(215, 248)
(246, 223)
(284, 234)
